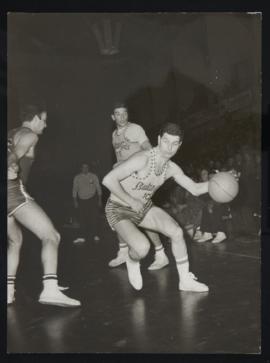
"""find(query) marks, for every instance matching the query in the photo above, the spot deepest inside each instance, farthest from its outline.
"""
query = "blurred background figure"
(87, 197)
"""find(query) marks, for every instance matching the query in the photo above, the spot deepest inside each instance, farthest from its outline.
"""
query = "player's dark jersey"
(25, 162)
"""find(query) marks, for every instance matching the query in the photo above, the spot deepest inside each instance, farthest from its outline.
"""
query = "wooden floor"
(158, 319)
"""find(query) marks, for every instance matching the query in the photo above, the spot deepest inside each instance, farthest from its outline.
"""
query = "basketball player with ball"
(132, 185)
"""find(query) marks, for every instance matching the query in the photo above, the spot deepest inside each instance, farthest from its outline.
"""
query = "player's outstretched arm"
(184, 181)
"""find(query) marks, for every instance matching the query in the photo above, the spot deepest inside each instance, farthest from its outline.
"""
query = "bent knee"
(143, 249)
(15, 241)
(52, 237)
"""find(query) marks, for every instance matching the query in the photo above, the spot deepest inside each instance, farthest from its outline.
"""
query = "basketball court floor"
(114, 318)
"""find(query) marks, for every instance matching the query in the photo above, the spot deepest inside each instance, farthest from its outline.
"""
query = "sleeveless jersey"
(25, 162)
(123, 146)
(143, 188)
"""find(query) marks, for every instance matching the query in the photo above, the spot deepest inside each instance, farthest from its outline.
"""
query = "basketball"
(223, 187)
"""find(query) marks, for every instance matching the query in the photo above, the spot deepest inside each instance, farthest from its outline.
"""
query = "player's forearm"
(201, 188)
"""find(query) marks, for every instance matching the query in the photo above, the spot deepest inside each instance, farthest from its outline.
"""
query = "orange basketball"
(223, 187)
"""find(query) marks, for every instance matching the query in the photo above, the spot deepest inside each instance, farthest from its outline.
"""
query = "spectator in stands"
(212, 220)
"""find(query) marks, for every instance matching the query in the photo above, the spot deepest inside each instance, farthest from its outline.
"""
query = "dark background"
(46, 140)
(202, 70)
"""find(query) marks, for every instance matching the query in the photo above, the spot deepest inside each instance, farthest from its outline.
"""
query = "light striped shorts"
(17, 196)
(116, 212)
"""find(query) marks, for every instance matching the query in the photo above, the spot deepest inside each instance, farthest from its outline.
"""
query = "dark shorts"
(116, 212)
(17, 196)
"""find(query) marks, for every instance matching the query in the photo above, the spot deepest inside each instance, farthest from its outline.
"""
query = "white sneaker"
(221, 236)
(134, 273)
(161, 260)
(205, 237)
(10, 294)
(56, 297)
(79, 240)
(63, 288)
(198, 234)
(120, 258)
(189, 283)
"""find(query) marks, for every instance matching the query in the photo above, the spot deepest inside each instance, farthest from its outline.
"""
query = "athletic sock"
(159, 249)
(50, 281)
(11, 281)
(182, 265)
(123, 248)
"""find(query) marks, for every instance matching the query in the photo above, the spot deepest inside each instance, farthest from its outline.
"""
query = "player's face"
(120, 116)
(85, 169)
(41, 122)
(169, 145)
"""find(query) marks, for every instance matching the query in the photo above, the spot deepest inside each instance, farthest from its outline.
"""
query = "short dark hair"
(119, 105)
(28, 112)
(171, 129)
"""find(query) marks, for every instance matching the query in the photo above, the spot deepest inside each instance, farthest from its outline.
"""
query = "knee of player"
(143, 249)
(53, 237)
(57, 237)
(15, 242)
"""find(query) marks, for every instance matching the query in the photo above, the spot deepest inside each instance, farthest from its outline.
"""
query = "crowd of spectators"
(206, 220)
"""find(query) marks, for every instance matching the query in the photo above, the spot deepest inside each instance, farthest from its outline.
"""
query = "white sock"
(50, 281)
(159, 250)
(182, 265)
(123, 248)
(11, 282)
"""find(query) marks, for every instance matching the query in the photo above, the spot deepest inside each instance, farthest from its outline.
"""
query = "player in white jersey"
(132, 184)
(127, 139)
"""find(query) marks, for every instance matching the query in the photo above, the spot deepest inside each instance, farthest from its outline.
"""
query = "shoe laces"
(192, 276)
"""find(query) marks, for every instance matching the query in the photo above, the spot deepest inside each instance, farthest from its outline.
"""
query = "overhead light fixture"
(108, 37)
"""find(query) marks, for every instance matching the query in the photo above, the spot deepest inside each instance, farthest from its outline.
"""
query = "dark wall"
(165, 70)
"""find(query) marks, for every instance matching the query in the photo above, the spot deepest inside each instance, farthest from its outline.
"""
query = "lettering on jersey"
(148, 188)
(141, 186)
(120, 146)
